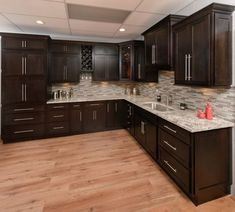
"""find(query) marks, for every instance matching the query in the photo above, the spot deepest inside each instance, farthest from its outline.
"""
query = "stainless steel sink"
(156, 106)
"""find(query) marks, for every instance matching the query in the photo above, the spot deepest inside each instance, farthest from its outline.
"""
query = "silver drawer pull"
(24, 119)
(56, 107)
(58, 116)
(174, 131)
(24, 109)
(94, 104)
(172, 147)
(80, 115)
(167, 163)
(23, 131)
(58, 128)
(76, 105)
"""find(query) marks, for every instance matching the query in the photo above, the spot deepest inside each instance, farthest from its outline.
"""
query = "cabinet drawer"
(23, 108)
(95, 104)
(76, 106)
(58, 128)
(174, 146)
(175, 131)
(23, 118)
(174, 169)
(23, 132)
(57, 107)
(57, 115)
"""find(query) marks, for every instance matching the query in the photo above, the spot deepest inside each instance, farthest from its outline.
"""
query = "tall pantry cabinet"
(24, 71)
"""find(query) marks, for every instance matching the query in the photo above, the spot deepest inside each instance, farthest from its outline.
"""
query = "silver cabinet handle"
(95, 115)
(142, 127)
(186, 67)
(116, 107)
(58, 128)
(24, 109)
(25, 43)
(22, 65)
(139, 71)
(94, 104)
(80, 116)
(24, 119)
(22, 92)
(23, 131)
(174, 131)
(153, 54)
(58, 116)
(167, 163)
(189, 67)
(66, 71)
(25, 92)
(130, 111)
(22, 44)
(172, 147)
(57, 107)
(64, 74)
(25, 65)
(107, 107)
(75, 106)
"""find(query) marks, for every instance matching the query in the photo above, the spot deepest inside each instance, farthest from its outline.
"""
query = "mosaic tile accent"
(223, 100)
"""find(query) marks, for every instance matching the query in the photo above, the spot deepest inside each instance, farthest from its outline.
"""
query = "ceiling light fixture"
(39, 22)
(122, 29)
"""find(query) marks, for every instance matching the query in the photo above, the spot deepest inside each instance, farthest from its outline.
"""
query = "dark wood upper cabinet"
(64, 68)
(132, 60)
(106, 62)
(24, 42)
(203, 47)
(65, 47)
(159, 45)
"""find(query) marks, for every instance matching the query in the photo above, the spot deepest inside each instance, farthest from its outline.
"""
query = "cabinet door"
(126, 68)
(151, 138)
(112, 67)
(149, 42)
(140, 129)
(35, 90)
(63, 47)
(199, 69)
(106, 49)
(35, 64)
(139, 62)
(113, 112)
(182, 49)
(94, 114)
(57, 68)
(100, 68)
(12, 91)
(72, 68)
(12, 63)
(76, 118)
(162, 46)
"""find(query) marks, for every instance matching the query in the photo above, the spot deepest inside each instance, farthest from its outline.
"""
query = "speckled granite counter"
(185, 119)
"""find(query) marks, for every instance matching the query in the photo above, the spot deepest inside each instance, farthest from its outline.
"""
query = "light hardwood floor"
(106, 171)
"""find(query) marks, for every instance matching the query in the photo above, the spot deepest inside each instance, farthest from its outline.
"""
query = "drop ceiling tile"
(143, 19)
(162, 7)
(93, 26)
(34, 7)
(115, 4)
(28, 23)
(7, 26)
(91, 33)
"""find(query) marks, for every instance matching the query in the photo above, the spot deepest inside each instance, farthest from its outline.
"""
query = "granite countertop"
(185, 119)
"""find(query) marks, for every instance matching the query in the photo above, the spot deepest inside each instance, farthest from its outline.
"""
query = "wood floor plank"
(106, 171)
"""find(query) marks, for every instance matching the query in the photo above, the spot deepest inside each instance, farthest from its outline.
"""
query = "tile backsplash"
(223, 100)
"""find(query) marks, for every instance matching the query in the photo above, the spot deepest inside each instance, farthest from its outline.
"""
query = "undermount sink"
(156, 106)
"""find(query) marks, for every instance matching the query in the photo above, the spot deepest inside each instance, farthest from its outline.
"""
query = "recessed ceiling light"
(39, 22)
(122, 29)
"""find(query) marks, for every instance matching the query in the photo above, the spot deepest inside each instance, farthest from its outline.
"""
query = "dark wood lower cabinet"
(199, 163)
(95, 113)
